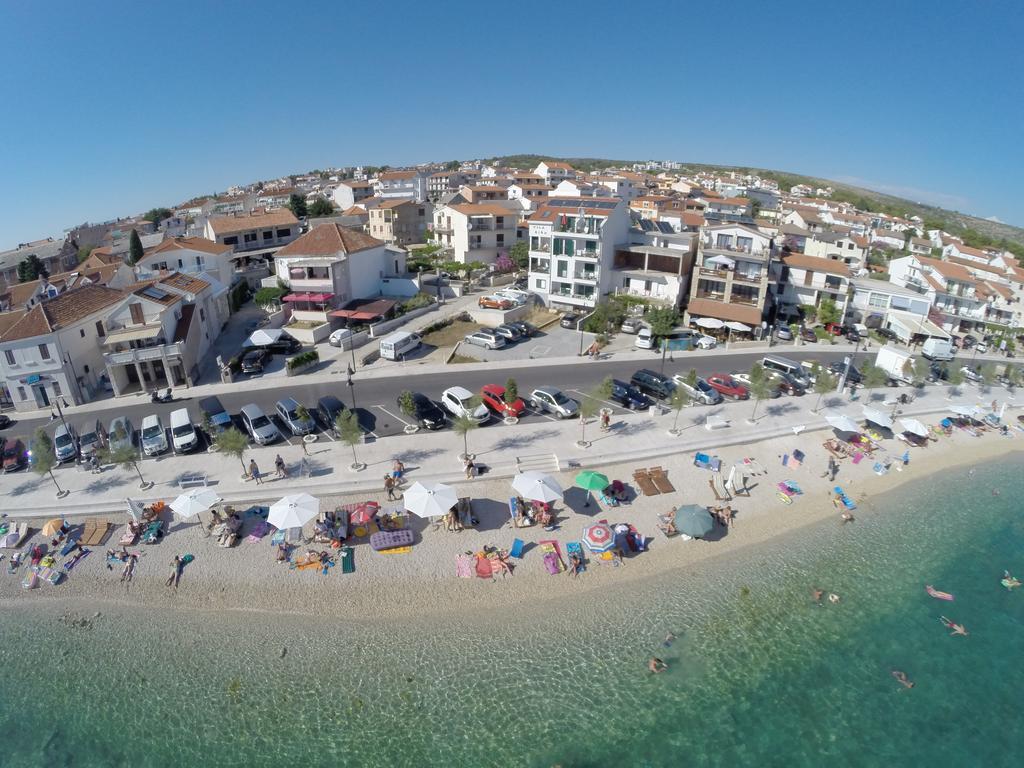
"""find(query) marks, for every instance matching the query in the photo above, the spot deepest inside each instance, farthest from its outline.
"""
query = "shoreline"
(422, 585)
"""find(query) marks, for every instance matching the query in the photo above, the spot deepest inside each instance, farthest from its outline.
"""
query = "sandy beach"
(423, 581)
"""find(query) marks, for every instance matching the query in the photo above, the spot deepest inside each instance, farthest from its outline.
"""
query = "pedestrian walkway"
(501, 449)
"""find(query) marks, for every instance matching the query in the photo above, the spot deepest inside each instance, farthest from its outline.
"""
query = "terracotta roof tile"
(328, 240)
(816, 264)
(200, 244)
(224, 225)
(64, 310)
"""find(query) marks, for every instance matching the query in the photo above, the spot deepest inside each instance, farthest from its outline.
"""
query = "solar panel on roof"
(154, 293)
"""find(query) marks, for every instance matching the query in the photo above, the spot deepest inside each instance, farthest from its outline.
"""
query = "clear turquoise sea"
(759, 676)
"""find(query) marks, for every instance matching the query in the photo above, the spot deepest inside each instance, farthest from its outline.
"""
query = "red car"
(727, 386)
(493, 396)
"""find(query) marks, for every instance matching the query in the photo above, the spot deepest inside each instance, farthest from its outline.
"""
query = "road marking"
(543, 414)
(393, 415)
(614, 406)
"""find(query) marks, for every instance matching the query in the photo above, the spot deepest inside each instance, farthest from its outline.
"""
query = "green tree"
(759, 388)
(824, 382)
(872, 377)
(590, 404)
(511, 391)
(135, 252)
(84, 252)
(988, 373)
(520, 254)
(350, 433)
(321, 207)
(663, 321)
(452, 165)
(156, 215)
(828, 312)
(922, 370)
(231, 442)
(462, 426)
(268, 296)
(126, 457)
(955, 379)
(297, 205)
(406, 403)
(31, 268)
(679, 400)
(41, 457)
(604, 389)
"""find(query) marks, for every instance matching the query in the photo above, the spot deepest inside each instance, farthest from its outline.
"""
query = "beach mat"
(483, 567)
(517, 549)
(464, 566)
(395, 550)
(575, 548)
(347, 555)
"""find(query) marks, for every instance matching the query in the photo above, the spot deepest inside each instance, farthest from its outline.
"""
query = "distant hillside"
(975, 232)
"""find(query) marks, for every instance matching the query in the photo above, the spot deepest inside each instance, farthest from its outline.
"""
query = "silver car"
(65, 443)
(299, 422)
(259, 427)
(552, 400)
(485, 338)
(121, 434)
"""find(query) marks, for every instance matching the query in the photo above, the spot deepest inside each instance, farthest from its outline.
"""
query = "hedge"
(312, 356)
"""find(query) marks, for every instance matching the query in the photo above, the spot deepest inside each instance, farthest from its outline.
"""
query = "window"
(745, 243)
(562, 268)
(250, 237)
(202, 314)
(181, 264)
(878, 300)
(723, 241)
(56, 389)
(233, 240)
(500, 239)
(44, 351)
(99, 329)
(541, 284)
(284, 232)
(421, 212)
(85, 368)
(10, 357)
(21, 393)
(808, 277)
(81, 333)
(268, 234)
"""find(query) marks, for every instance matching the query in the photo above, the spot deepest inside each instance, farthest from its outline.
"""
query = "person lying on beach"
(575, 565)
(175, 576)
(668, 528)
(656, 665)
(129, 568)
(901, 678)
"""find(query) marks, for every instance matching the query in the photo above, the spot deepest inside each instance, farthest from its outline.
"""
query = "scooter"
(156, 396)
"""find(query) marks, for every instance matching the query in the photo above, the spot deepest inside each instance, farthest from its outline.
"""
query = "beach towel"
(483, 567)
(347, 555)
(68, 546)
(553, 562)
(464, 566)
(857, 457)
(575, 548)
(395, 551)
(72, 562)
(259, 531)
(517, 549)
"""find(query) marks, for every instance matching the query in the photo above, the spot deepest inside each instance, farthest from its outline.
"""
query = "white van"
(154, 441)
(396, 345)
(183, 434)
(785, 365)
(644, 338)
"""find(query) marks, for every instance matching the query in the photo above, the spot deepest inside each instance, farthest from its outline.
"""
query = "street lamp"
(60, 413)
(351, 386)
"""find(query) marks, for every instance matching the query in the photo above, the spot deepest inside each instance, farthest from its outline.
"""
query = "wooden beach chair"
(718, 488)
(645, 483)
(95, 532)
(660, 480)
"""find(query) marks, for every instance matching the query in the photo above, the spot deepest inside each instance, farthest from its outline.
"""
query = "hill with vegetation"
(976, 232)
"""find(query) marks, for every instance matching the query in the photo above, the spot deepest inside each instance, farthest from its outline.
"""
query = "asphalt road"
(375, 399)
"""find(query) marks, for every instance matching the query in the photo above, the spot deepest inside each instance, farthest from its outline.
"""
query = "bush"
(417, 301)
(266, 296)
(437, 326)
(238, 296)
(312, 356)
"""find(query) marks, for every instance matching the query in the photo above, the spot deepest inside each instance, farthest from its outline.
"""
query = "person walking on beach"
(254, 472)
(279, 468)
(389, 486)
(175, 577)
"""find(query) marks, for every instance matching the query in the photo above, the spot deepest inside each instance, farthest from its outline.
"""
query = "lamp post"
(60, 413)
(351, 387)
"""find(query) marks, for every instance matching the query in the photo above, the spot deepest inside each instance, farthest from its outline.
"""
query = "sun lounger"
(387, 539)
(517, 549)
(552, 556)
(661, 481)
(753, 467)
(95, 532)
(14, 536)
(50, 575)
(845, 500)
(645, 483)
(704, 461)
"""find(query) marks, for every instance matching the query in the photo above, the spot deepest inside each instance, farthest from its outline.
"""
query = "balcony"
(586, 274)
(714, 274)
(747, 301)
(542, 266)
(312, 285)
(541, 246)
(713, 295)
(443, 230)
(143, 354)
(740, 277)
(588, 254)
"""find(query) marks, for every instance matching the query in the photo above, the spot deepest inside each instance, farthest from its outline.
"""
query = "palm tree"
(463, 425)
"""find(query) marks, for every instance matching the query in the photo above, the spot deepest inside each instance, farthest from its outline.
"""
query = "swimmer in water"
(817, 594)
(656, 665)
(958, 629)
(901, 678)
(1010, 581)
(833, 597)
(669, 638)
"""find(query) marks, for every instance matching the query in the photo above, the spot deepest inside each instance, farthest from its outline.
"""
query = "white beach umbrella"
(842, 423)
(735, 325)
(293, 511)
(263, 337)
(875, 416)
(964, 410)
(430, 500)
(914, 427)
(195, 501)
(537, 486)
(709, 322)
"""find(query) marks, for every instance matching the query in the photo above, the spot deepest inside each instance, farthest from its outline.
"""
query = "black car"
(5, 421)
(286, 345)
(215, 417)
(886, 333)
(788, 384)
(569, 320)
(427, 413)
(938, 372)
(653, 384)
(852, 375)
(969, 341)
(628, 396)
(254, 360)
(328, 409)
(525, 328)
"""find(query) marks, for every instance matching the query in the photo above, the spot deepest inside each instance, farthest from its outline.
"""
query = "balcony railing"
(586, 274)
(143, 354)
(543, 267)
(751, 279)
(747, 301)
(714, 274)
(713, 295)
(587, 254)
(542, 246)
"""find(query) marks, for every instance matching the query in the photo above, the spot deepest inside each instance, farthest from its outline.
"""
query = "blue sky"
(112, 108)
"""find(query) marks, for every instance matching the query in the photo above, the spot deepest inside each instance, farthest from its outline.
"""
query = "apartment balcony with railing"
(144, 354)
(542, 266)
(587, 274)
(541, 245)
(960, 310)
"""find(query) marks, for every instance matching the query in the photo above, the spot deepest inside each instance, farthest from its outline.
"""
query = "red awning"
(314, 298)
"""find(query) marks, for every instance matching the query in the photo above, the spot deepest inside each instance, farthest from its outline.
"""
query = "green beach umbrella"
(693, 520)
(589, 481)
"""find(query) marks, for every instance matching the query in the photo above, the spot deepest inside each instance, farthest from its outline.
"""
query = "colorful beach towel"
(575, 548)
(347, 555)
(552, 556)
(395, 551)
(483, 567)
(464, 566)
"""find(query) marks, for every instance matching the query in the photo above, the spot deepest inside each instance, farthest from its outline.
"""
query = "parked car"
(5, 421)
(981, 347)
(852, 374)
(552, 400)
(338, 338)
(628, 396)
(121, 434)
(493, 396)
(65, 443)
(328, 409)
(154, 439)
(215, 417)
(886, 333)
(970, 374)
(92, 438)
(300, 423)
(254, 360)
(508, 332)
(808, 334)
(184, 437)
(494, 302)
(514, 295)
(644, 338)
(743, 377)
(727, 386)
(834, 329)
(458, 401)
(782, 333)
(13, 455)
(969, 341)
(652, 384)
(260, 428)
(428, 414)
(285, 345)
(525, 329)
(938, 372)
(631, 325)
(569, 320)
(705, 342)
(700, 391)
(852, 334)
(787, 383)
(485, 338)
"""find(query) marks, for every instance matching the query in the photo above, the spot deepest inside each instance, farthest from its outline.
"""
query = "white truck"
(896, 363)
(937, 349)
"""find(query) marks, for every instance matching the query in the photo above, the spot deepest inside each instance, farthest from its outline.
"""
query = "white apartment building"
(879, 304)
(572, 249)
(411, 183)
(350, 192)
(476, 231)
(806, 281)
(190, 255)
(554, 172)
(851, 250)
(731, 280)
(262, 231)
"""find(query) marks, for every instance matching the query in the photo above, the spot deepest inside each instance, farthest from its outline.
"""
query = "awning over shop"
(741, 313)
(313, 298)
(914, 325)
(132, 334)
